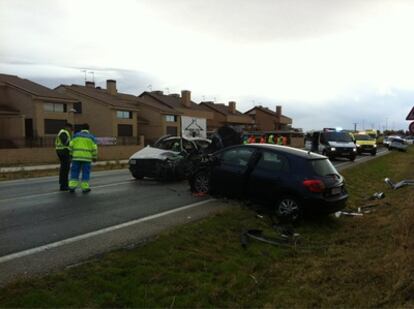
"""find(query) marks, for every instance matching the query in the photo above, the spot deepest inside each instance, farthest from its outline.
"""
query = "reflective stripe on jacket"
(83, 147)
(62, 140)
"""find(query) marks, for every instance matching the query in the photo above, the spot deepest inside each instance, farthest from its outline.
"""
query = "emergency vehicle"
(365, 143)
(332, 143)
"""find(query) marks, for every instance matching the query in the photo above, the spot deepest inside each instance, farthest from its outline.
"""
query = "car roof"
(288, 150)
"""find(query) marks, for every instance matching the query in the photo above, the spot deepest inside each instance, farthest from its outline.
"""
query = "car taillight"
(314, 185)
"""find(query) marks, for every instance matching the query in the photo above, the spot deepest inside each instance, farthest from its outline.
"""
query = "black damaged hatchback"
(289, 181)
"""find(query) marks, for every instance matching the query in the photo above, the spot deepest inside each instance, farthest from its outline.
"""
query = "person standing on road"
(262, 139)
(270, 139)
(280, 140)
(62, 142)
(83, 150)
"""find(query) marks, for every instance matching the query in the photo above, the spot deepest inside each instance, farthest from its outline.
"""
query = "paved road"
(34, 213)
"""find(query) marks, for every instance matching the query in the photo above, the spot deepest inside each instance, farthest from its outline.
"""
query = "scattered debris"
(258, 235)
(348, 213)
(377, 196)
(402, 183)
(199, 194)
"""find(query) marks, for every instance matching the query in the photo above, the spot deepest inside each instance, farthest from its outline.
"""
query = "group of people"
(263, 139)
(76, 154)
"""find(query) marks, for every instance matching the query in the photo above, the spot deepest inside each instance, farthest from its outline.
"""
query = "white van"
(332, 143)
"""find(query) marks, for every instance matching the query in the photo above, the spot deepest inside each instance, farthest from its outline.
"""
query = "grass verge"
(344, 262)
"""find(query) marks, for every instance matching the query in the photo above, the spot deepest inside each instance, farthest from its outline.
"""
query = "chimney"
(278, 111)
(89, 84)
(111, 86)
(232, 107)
(186, 98)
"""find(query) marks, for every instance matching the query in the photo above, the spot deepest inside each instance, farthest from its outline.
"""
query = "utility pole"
(355, 126)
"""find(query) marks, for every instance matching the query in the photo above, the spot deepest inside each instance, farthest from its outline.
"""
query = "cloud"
(306, 55)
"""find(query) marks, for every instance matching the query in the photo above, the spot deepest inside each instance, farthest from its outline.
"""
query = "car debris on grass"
(398, 185)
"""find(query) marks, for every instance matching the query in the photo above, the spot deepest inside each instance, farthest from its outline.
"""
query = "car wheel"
(288, 207)
(352, 158)
(374, 153)
(200, 182)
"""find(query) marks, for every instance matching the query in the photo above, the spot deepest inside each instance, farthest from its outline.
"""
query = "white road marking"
(60, 243)
(60, 192)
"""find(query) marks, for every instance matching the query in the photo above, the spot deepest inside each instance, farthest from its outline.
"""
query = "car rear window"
(323, 167)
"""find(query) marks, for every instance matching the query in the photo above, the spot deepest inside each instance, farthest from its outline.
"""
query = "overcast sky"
(327, 62)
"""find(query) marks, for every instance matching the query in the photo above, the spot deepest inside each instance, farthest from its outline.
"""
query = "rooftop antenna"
(204, 97)
(93, 75)
(167, 90)
(84, 71)
(149, 87)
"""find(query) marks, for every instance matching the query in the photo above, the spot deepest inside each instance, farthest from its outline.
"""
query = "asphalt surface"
(42, 228)
(34, 213)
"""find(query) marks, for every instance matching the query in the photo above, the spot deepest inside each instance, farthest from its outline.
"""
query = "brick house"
(268, 120)
(108, 112)
(157, 119)
(177, 106)
(226, 115)
(31, 111)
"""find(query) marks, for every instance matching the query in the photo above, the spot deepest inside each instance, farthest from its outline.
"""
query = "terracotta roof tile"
(120, 100)
(170, 100)
(220, 108)
(31, 87)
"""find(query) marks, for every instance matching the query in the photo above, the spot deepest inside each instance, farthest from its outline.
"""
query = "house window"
(170, 118)
(53, 126)
(172, 131)
(54, 107)
(124, 114)
(77, 107)
(124, 130)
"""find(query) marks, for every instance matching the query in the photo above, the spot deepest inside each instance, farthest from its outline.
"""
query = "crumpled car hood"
(153, 153)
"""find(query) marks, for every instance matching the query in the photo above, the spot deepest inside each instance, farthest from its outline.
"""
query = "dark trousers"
(64, 158)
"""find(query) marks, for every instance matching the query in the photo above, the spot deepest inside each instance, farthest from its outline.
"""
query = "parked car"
(365, 144)
(171, 157)
(397, 143)
(409, 140)
(332, 143)
(289, 181)
(387, 140)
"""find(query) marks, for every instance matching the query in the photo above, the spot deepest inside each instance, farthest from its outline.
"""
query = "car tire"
(288, 208)
(352, 158)
(200, 182)
(374, 153)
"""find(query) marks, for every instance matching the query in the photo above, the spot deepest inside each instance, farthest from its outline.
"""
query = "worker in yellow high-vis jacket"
(62, 142)
(83, 150)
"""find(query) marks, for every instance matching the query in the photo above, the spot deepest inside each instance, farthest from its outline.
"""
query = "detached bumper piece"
(402, 183)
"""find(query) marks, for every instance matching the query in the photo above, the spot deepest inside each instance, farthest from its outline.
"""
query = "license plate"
(336, 191)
